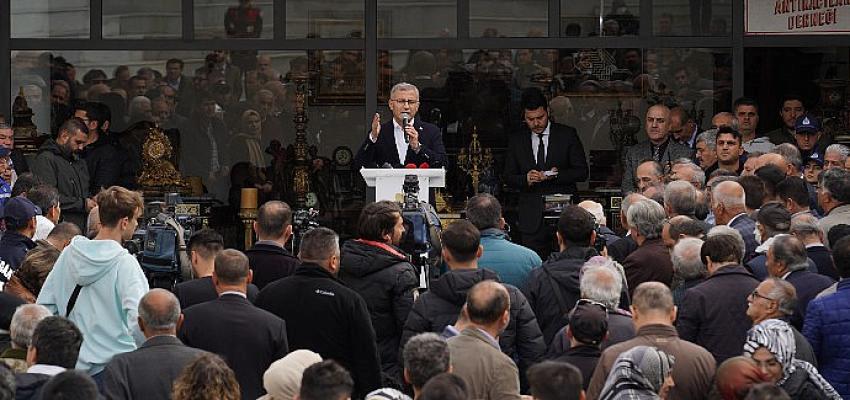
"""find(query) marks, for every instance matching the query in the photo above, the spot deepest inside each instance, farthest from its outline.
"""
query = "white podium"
(388, 182)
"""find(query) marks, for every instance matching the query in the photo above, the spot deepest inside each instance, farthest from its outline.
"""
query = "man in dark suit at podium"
(404, 140)
(545, 158)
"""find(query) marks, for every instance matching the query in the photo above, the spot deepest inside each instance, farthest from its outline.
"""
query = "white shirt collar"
(45, 369)
(400, 144)
(233, 292)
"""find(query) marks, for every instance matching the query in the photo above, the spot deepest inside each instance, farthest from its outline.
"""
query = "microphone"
(405, 119)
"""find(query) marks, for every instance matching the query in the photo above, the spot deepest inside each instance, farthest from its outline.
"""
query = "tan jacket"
(489, 374)
(693, 370)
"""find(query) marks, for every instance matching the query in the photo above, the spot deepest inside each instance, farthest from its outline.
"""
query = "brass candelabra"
(474, 160)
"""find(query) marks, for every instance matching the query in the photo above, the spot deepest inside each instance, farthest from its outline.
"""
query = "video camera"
(160, 242)
(303, 221)
(421, 232)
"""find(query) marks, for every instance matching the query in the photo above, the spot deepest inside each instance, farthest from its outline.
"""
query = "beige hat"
(282, 380)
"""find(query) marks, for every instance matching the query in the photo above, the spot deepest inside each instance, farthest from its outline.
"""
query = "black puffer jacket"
(387, 282)
(28, 386)
(434, 310)
(563, 269)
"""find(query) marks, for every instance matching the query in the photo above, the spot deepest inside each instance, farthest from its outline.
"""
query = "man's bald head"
(727, 201)
(777, 160)
(487, 302)
(159, 312)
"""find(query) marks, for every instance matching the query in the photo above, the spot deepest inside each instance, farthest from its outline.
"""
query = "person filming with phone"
(405, 139)
(544, 158)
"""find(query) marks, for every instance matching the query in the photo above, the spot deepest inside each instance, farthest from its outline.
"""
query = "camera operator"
(203, 247)
(553, 289)
(377, 269)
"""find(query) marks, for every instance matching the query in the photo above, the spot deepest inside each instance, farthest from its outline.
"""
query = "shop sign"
(796, 17)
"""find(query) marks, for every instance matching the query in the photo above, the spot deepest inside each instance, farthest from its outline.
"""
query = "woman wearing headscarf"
(282, 380)
(735, 377)
(771, 345)
(642, 373)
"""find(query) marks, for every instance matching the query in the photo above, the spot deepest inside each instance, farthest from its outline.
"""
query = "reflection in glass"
(600, 18)
(692, 17)
(234, 19)
(42, 19)
(324, 19)
(419, 19)
(506, 18)
(131, 19)
(198, 98)
(480, 89)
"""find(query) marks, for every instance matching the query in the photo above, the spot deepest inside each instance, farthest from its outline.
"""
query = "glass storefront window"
(324, 19)
(692, 17)
(600, 18)
(508, 18)
(588, 89)
(217, 19)
(67, 19)
(417, 19)
(131, 19)
(140, 86)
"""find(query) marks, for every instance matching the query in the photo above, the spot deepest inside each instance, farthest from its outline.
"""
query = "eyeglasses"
(591, 302)
(402, 102)
(756, 293)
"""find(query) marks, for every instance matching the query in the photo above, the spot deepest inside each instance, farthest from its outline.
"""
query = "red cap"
(424, 165)
(410, 165)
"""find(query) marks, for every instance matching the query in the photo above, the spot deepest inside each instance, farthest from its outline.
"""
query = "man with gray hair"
(24, 321)
(713, 313)
(805, 228)
(791, 154)
(729, 207)
(651, 260)
(688, 269)
(511, 261)
(149, 371)
(775, 298)
(835, 156)
(405, 139)
(685, 170)
(680, 198)
(706, 150)
(425, 355)
(602, 282)
(654, 313)
(786, 259)
(598, 213)
(834, 197)
(622, 248)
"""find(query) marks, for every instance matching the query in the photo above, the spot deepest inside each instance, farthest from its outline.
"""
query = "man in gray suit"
(659, 147)
(148, 372)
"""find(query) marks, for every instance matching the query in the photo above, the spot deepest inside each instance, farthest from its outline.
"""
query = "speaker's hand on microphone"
(413, 136)
(376, 127)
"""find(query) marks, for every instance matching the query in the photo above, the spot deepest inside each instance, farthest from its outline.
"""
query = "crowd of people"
(730, 282)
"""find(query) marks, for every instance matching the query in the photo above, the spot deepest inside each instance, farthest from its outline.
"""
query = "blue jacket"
(106, 310)
(512, 262)
(13, 248)
(827, 319)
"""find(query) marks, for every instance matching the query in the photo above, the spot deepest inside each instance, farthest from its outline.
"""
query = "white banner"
(796, 17)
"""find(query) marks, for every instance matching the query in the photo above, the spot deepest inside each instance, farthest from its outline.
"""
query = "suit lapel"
(391, 145)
